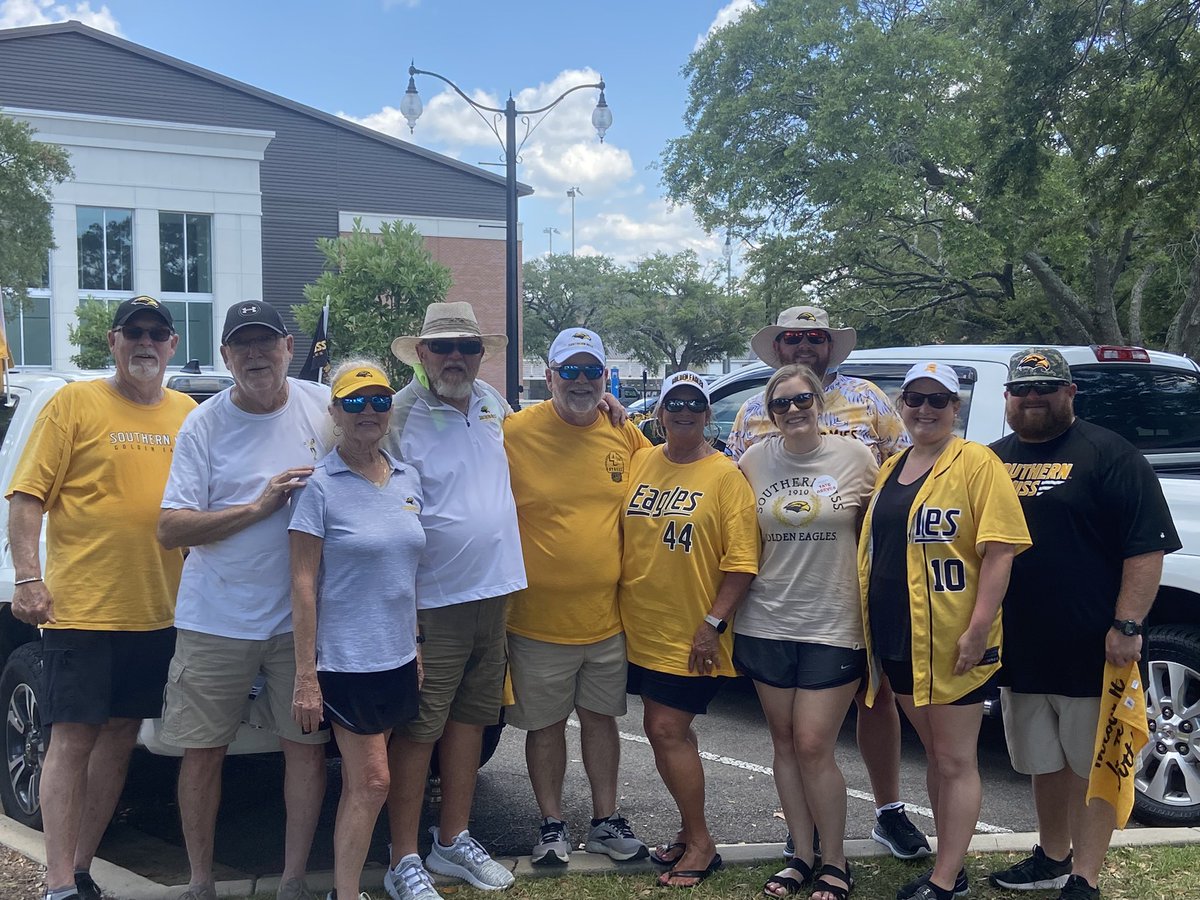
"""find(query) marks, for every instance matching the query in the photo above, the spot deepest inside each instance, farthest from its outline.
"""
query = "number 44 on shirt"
(682, 538)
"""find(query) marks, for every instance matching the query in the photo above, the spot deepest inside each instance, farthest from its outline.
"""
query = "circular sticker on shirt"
(825, 486)
(796, 512)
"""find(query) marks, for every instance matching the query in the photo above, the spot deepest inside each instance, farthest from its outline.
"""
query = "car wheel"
(1168, 778)
(25, 739)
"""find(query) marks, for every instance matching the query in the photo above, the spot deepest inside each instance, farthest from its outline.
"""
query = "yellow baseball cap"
(356, 379)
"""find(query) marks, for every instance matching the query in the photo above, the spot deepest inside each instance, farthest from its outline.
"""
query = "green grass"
(1139, 873)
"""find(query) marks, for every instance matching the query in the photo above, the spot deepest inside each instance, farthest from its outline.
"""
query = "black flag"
(316, 366)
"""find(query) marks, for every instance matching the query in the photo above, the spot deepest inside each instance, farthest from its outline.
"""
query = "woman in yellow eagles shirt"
(936, 549)
(690, 552)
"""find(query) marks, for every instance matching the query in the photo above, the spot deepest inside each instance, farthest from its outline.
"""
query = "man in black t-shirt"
(1100, 527)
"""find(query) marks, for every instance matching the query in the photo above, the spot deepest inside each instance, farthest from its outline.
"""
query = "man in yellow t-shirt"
(566, 649)
(96, 465)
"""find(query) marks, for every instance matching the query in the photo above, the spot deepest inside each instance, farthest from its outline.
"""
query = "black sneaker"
(88, 889)
(913, 889)
(789, 846)
(1035, 873)
(898, 834)
(1077, 888)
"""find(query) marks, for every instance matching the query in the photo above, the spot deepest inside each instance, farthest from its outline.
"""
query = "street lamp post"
(550, 231)
(573, 193)
(411, 108)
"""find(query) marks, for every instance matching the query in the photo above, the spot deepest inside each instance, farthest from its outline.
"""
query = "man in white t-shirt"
(237, 460)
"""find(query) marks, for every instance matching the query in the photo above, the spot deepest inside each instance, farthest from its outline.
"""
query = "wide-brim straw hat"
(446, 320)
(802, 318)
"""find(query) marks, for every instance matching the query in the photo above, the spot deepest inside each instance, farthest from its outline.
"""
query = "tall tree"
(29, 170)
(564, 291)
(674, 312)
(378, 286)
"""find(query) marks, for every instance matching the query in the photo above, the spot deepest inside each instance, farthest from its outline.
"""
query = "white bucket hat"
(446, 320)
(803, 318)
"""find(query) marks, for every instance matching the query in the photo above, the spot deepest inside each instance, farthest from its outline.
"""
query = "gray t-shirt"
(367, 590)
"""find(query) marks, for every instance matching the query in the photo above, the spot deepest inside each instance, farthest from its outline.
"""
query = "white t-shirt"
(808, 507)
(240, 587)
(472, 545)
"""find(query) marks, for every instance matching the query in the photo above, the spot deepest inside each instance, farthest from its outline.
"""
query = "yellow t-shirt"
(685, 526)
(99, 464)
(569, 484)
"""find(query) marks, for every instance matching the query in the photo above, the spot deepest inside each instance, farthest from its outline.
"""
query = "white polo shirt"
(472, 545)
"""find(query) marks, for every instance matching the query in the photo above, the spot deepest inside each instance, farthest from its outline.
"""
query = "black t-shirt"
(887, 594)
(1091, 501)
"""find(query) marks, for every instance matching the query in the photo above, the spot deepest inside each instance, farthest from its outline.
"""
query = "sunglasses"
(570, 372)
(815, 336)
(444, 347)
(160, 334)
(915, 399)
(781, 404)
(677, 404)
(262, 343)
(1041, 388)
(379, 403)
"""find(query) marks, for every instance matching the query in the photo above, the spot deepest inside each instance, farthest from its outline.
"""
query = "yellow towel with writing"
(1121, 733)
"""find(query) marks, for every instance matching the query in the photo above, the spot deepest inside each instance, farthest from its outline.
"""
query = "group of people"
(391, 564)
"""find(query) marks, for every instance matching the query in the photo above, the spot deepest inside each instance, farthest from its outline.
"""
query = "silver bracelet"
(21, 581)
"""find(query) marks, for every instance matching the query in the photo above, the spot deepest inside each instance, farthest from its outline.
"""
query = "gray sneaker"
(409, 881)
(614, 837)
(294, 889)
(466, 859)
(205, 892)
(554, 844)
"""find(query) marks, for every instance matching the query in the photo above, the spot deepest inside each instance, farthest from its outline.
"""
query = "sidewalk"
(126, 885)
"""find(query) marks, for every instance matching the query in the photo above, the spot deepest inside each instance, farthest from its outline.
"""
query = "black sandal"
(784, 878)
(823, 886)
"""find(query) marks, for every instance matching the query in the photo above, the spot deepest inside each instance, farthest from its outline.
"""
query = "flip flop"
(664, 854)
(794, 878)
(698, 874)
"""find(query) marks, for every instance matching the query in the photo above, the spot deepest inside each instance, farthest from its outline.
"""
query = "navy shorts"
(94, 676)
(370, 702)
(689, 693)
(797, 664)
(899, 675)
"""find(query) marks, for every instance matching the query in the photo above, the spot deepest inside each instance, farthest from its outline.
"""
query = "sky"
(351, 58)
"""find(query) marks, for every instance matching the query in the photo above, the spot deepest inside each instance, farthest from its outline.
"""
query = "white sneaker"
(409, 881)
(466, 859)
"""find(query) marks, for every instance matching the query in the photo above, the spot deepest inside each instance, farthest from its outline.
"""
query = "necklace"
(376, 463)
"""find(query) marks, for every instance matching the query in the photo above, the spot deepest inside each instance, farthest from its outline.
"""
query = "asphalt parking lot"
(742, 804)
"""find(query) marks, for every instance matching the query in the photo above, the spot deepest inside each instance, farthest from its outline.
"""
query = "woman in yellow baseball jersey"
(690, 552)
(936, 549)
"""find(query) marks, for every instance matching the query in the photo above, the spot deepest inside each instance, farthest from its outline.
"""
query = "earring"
(337, 431)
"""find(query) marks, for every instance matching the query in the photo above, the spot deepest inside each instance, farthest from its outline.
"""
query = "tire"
(1168, 778)
(25, 739)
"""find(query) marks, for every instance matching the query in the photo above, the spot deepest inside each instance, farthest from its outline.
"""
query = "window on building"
(194, 322)
(185, 253)
(105, 248)
(27, 323)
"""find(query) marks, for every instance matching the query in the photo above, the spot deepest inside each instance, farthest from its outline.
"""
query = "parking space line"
(734, 763)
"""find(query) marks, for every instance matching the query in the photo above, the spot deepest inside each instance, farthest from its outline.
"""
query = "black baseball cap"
(141, 303)
(252, 312)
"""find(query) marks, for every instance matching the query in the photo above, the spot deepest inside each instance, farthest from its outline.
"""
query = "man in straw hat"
(857, 408)
(449, 425)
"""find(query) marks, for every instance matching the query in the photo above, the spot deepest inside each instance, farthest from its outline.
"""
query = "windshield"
(1154, 408)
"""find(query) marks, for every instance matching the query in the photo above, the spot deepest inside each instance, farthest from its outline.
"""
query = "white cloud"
(726, 15)
(19, 13)
(661, 227)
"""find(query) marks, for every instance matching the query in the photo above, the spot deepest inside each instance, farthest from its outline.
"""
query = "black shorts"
(900, 677)
(797, 664)
(94, 676)
(690, 693)
(370, 702)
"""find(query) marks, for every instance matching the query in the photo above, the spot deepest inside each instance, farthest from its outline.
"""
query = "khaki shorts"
(208, 689)
(1046, 732)
(464, 660)
(550, 680)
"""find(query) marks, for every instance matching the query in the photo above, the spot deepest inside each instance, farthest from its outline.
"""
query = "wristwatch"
(1128, 627)
(719, 624)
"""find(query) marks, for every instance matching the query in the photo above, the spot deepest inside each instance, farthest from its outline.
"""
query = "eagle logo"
(143, 300)
(931, 367)
(806, 317)
(798, 506)
(1035, 361)
(362, 373)
(580, 335)
(248, 309)
(796, 512)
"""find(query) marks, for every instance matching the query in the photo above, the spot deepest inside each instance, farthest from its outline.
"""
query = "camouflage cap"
(1038, 364)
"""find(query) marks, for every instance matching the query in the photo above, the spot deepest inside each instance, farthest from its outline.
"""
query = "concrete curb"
(126, 885)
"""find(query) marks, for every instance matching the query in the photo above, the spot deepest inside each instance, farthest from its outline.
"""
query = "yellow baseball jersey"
(967, 499)
(99, 464)
(569, 483)
(685, 526)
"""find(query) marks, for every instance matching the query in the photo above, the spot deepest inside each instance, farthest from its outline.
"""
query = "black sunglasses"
(678, 404)
(781, 404)
(160, 334)
(815, 336)
(379, 403)
(1041, 388)
(444, 347)
(570, 372)
(915, 399)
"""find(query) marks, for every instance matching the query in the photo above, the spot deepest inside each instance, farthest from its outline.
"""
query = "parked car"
(1153, 400)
